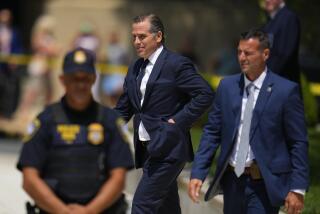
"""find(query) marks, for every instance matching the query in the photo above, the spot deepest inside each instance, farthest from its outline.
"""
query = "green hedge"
(310, 103)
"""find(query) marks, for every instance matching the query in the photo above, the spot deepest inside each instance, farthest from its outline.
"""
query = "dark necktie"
(141, 75)
(245, 133)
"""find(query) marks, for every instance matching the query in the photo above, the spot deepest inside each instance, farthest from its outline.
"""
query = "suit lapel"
(264, 95)
(237, 103)
(136, 70)
(156, 70)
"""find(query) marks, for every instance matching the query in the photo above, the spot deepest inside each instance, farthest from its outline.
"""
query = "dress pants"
(157, 191)
(245, 195)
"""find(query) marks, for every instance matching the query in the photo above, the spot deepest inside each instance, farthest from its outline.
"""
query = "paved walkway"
(12, 197)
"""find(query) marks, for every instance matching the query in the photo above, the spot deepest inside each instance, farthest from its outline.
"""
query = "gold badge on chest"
(95, 133)
(68, 132)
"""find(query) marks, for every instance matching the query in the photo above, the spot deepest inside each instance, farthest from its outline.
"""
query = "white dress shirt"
(143, 134)
(257, 84)
(5, 39)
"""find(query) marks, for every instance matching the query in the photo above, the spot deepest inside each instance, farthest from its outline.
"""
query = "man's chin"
(140, 55)
(80, 105)
(80, 100)
(244, 70)
(269, 9)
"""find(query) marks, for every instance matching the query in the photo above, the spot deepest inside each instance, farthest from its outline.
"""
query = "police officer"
(75, 157)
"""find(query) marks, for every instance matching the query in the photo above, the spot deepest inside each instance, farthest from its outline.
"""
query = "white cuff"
(299, 191)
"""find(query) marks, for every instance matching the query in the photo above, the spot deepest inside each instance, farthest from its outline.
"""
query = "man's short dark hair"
(155, 22)
(257, 34)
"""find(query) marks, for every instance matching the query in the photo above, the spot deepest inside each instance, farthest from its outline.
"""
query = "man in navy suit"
(10, 75)
(258, 121)
(165, 94)
(283, 28)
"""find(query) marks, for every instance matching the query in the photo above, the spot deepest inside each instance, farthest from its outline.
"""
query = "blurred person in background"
(87, 38)
(117, 54)
(187, 49)
(10, 71)
(283, 28)
(10, 41)
(111, 83)
(75, 157)
(111, 88)
(45, 50)
(37, 90)
(165, 95)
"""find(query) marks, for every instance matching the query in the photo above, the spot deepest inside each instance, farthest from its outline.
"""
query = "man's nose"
(81, 84)
(241, 56)
(136, 41)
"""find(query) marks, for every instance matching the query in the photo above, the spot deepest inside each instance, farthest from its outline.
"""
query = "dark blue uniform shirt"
(37, 145)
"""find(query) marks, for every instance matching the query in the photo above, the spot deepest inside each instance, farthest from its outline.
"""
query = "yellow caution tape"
(17, 59)
(20, 59)
(314, 86)
(215, 80)
(103, 68)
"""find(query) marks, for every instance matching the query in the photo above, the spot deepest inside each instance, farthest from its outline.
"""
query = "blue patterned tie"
(245, 133)
(141, 75)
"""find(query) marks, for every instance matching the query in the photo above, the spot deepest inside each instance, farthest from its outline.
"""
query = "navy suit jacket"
(284, 33)
(16, 44)
(174, 90)
(278, 135)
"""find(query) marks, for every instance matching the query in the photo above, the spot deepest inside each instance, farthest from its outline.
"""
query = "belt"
(252, 171)
(145, 143)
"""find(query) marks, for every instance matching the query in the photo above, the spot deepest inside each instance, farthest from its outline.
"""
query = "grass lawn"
(312, 199)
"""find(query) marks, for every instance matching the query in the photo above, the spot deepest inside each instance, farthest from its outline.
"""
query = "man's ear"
(94, 79)
(159, 36)
(62, 79)
(266, 54)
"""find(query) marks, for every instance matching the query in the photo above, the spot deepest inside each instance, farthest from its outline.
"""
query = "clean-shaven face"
(78, 88)
(144, 41)
(272, 5)
(251, 58)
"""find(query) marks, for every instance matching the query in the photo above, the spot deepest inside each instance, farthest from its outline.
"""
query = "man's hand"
(194, 189)
(78, 209)
(294, 203)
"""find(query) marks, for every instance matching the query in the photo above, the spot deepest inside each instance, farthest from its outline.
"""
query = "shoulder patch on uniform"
(95, 133)
(123, 129)
(32, 129)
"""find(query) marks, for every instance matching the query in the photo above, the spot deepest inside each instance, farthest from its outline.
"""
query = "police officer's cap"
(79, 59)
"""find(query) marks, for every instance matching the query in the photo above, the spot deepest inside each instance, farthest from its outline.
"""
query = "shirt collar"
(258, 82)
(153, 57)
(274, 13)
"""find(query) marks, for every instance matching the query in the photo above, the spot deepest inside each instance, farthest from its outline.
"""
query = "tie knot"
(250, 88)
(144, 64)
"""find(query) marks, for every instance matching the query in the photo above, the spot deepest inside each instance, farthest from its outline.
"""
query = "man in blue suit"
(165, 94)
(258, 121)
(283, 28)
(10, 75)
